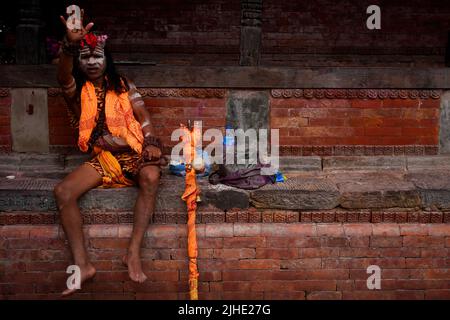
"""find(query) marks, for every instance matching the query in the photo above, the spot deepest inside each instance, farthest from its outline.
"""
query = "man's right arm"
(64, 72)
(69, 52)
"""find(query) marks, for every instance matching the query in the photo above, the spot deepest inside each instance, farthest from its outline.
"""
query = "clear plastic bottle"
(228, 140)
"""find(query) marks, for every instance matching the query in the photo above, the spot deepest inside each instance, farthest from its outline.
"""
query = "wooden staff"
(191, 196)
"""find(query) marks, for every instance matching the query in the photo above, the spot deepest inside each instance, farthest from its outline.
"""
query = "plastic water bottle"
(228, 140)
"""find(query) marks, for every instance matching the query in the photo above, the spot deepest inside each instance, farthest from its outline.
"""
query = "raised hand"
(76, 35)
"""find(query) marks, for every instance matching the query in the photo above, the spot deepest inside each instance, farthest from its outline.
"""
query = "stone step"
(428, 163)
(376, 190)
(34, 172)
(402, 163)
(349, 163)
(300, 164)
(25, 194)
(297, 193)
(57, 166)
(37, 195)
(315, 191)
(32, 159)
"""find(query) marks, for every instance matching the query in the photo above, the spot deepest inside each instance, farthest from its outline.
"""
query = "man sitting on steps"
(115, 127)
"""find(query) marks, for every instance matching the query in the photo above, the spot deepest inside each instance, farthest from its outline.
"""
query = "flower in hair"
(90, 39)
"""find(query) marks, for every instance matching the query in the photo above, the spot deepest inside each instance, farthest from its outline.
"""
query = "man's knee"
(63, 194)
(149, 178)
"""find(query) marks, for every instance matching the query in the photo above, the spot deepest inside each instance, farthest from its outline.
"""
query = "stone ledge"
(297, 193)
(364, 163)
(375, 190)
(37, 195)
(318, 191)
(433, 187)
(58, 165)
(420, 184)
(251, 215)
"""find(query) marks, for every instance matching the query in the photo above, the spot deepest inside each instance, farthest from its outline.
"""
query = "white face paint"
(92, 63)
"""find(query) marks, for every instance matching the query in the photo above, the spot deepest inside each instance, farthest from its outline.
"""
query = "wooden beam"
(247, 77)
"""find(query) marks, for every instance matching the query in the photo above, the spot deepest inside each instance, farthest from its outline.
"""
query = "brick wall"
(5, 120)
(311, 122)
(364, 122)
(237, 261)
(170, 107)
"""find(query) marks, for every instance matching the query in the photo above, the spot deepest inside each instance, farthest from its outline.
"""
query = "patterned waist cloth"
(129, 163)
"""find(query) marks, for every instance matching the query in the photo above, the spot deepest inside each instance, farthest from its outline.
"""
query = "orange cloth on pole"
(190, 195)
(119, 118)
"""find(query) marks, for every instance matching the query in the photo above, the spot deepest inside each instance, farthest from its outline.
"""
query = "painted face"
(92, 63)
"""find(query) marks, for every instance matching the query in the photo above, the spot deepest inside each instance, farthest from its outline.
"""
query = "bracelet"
(71, 49)
(146, 123)
(70, 88)
(152, 141)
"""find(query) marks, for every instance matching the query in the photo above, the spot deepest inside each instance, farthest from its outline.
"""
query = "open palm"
(77, 34)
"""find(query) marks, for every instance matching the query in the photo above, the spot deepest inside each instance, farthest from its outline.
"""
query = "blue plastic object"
(279, 177)
(179, 169)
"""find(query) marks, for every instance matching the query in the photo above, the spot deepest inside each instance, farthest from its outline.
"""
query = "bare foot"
(133, 262)
(87, 272)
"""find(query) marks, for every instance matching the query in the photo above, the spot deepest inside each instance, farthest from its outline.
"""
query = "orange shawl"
(119, 118)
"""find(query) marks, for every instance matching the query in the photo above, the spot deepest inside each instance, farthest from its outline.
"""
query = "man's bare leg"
(143, 211)
(67, 193)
